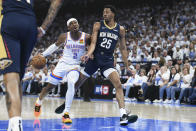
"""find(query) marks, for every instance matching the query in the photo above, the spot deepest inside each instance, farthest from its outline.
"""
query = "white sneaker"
(15, 126)
(177, 102)
(166, 101)
(51, 95)
(155, 101)
(134, 99)
(160, 101)
(57, 95)
(172, 102)
(147, 101)
(127, 99)
(169, 102)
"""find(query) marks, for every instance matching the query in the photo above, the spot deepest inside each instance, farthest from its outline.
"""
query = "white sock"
(38, 101)
(15, 124)
(72, 78)
(122, 112)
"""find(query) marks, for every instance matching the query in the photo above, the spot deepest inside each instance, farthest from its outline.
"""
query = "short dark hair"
(112, 8)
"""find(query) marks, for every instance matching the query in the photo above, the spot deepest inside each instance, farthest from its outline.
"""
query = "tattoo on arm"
(122, 47)
(61, 39)
(54, 8)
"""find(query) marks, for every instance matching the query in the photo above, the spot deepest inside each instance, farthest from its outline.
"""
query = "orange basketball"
(38, 61)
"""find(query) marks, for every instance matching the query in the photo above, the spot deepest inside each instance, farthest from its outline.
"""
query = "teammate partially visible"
(17, 39)
(74, 43)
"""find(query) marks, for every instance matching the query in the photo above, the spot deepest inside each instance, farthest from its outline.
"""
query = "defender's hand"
(85, 58)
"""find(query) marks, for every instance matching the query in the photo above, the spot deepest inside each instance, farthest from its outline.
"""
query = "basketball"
(38, 61)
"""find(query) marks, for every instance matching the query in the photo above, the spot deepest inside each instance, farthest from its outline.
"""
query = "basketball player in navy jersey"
(17, 39)
(105, 36)
(104, 39)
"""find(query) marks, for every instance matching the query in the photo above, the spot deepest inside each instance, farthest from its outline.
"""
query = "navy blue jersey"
(18, 6)
(18, 35)
(106, 42)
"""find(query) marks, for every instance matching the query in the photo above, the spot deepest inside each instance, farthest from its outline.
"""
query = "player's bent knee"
(73, 77)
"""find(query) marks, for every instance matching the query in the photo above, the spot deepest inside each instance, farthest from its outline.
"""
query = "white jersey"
(73, 49)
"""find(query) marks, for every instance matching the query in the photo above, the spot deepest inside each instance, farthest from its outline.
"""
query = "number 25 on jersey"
(106, 43)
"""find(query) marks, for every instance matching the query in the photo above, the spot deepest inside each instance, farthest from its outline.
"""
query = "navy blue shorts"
(93, 65)
(17, 39)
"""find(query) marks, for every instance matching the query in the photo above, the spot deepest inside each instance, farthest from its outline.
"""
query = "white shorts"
(61, 70)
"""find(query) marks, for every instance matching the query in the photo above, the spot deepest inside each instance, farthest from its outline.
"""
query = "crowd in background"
(161, 44)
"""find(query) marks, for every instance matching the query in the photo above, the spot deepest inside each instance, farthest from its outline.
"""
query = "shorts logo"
(5, 63)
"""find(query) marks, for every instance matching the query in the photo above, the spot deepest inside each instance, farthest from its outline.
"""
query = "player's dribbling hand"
(91, 57)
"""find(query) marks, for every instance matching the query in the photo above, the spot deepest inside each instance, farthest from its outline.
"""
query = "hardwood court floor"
(103, 115)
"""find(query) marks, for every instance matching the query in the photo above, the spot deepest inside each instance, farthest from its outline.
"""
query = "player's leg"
(113, 76)
(10, 67)
(82, 78)
(54, 78)
(13, 99)
(115, 79)
(72, 78)
(38, 103)
(11, 62)
(90, 68)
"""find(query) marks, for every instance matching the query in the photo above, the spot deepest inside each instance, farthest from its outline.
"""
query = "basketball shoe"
(60, 109)
(37, 110)
(66, 119)
(128, 118)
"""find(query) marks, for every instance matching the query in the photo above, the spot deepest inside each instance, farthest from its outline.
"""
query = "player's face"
(74, 26)
(108, 14)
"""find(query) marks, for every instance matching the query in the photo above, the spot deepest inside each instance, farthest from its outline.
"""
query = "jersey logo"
(81, 41)
(115, 30)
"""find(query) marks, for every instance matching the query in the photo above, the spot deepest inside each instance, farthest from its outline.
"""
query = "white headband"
(70, 20)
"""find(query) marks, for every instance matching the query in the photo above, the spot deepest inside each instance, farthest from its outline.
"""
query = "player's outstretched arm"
(122, 47)
(92, 46)
(52, 12)
(56, 45)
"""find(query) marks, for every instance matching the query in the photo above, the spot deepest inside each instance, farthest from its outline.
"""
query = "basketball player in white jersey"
(74, 43)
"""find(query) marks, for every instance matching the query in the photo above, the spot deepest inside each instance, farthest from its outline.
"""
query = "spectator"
(148, 84)
(192, 90)
(173, 83)
(163, 81)
(133, 81)
(183, 87)
(156, 58)
(26, 81)
(166, 56)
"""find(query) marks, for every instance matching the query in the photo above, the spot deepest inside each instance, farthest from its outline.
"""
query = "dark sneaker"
(60, 109)
(126, 119)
